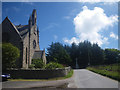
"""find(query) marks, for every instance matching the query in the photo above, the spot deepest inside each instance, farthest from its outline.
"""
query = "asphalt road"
(82, 78)
(86, 79)
(37, 84)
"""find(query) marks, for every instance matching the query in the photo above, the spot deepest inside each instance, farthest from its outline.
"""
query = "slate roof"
(38, 54)
(23, 30)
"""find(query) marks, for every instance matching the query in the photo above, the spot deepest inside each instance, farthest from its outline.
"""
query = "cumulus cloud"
(88, 25)
(112, 35)
(73, 39)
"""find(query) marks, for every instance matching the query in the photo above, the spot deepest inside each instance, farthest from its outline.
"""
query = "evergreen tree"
(111, 56)
(57, 53)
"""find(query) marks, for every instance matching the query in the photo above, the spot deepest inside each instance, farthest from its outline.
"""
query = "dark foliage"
(37, 63)
(112, 56)
(57, 53)
(53, 65)
(85, 53)
(9, 55)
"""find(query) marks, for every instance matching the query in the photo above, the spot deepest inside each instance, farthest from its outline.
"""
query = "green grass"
(57, 78)
(69, 74)
(111, 71)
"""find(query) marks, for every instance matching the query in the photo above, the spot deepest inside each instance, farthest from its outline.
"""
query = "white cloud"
(74, 39)
(112, 35)
(55, 37)
(88, 25)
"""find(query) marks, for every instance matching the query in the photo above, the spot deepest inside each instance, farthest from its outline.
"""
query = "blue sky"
(68, 22)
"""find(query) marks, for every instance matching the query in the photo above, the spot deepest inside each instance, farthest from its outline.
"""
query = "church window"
(34, 44)
(35, 31)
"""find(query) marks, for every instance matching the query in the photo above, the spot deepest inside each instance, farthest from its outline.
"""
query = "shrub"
(31, 66)
(38, 63)
(9, 55)
(53, 65)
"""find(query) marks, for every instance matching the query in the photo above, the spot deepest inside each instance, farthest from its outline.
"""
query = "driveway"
(86, 79)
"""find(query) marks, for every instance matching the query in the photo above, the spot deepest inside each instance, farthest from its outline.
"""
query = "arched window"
(26, 55)
(34, 44)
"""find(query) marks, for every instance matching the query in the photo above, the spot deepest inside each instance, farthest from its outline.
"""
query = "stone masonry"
(24, 37)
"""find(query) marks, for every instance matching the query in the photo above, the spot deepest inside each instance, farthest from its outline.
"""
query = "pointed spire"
(34, 11)
(34, 16)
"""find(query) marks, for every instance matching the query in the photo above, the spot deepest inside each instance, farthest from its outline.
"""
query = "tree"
(84, 54)
(111, 56)
(57, 53)
(97, 57)
(9, 55)
(38, 63)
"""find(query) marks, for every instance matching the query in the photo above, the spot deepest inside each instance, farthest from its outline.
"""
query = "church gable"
(10, 34)
(9, 31)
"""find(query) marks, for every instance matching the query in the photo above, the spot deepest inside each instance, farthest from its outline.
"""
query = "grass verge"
(57, 78)
(111, 71)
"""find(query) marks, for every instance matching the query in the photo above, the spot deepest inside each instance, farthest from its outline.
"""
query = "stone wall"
(38, 74)
(25, 53)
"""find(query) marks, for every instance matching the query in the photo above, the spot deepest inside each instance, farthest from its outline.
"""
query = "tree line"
(85, 53)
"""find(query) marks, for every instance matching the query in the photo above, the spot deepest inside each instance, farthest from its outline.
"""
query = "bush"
(31, 66)
(9, 55)
(53, 65)
(38, 63)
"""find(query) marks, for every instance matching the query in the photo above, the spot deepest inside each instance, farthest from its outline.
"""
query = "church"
(25, 38)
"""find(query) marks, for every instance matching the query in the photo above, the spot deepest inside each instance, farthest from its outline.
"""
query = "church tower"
(33, 35)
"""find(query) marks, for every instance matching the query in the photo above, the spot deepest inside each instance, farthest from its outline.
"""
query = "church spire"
(34, 16)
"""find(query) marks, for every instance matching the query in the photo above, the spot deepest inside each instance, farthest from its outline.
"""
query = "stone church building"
(24, 37)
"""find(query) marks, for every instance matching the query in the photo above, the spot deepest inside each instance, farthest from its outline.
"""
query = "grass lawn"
(57, 78)
(112, 71)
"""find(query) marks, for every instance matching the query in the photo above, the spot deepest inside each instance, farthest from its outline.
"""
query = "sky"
(68, 22)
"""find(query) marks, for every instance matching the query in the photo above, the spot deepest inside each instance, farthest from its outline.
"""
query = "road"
(86, 79)
(82, 78)
(37, 84)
